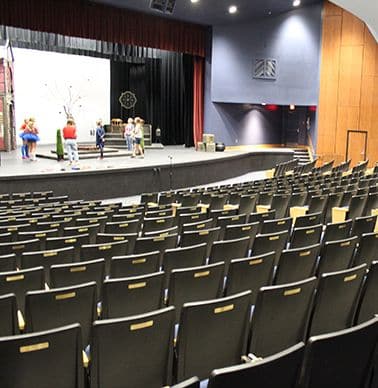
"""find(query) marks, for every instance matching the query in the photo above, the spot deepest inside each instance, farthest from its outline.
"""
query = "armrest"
(21, 320)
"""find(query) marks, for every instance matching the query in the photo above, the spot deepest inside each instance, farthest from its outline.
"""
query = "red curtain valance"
(82, 19)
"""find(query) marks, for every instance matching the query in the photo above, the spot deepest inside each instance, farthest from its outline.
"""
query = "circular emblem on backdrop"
(128, 99)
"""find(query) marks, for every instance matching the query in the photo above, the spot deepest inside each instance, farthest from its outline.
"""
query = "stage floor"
(13, 165)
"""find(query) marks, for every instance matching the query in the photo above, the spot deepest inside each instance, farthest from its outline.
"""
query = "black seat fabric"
(212, 334)
(8, 262)
(277, 225)
(134, 265)
(336, 300)
(280, 370)
(8, 314)
(367, 250)
(237, 231)
(250, 274)
(308, 220)
(297, 264)
(368, 306)
(133, 352)
(195, 284)
(309, 235)
(274, 242)
(48, 309)
(328, 364)
(19, 282)
(337, 231)
(46, 359)
(135, 295)
(281, 316)
(207, 236)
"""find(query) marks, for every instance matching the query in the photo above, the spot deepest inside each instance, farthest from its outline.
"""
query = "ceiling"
(213, 12)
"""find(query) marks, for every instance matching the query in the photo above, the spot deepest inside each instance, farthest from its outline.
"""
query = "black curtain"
(164, 90)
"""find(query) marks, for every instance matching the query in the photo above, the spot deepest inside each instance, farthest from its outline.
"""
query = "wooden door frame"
(349, 131)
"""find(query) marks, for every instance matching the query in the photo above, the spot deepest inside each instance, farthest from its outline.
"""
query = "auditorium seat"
(154, 224)
(297, 264)
(133, 352)
(371, 203)
(47, 309)
(341, 358)
(212, 334)
(129, 216)
(64, 275)
(367, 249)
(101, 220)
(336, 300)
(308, 235)
(134, 265)
(47, 258)
(310, 219)
(51, 358)
(149, 197)
(158, 213)
(103, 251)
(296, 199)
(337, 255)
(233, 232)
(8, 314)
(18, 247)
(134, 295)
(368, 305)
(159, 243)
(41, 235)
(276, 225)
(363, 225)
(189, 218)
(162, 232)
(208, 223)
(75, 241)
(280, 370)
(195, 284)
(8, 262)
(19, 282)
(281, 315)
(265, 243)
(207, 236)
(337, 231)
(247, 203)
(91, 229)
(260, 217)
(183, 257)
(5, 237)
(250, 274)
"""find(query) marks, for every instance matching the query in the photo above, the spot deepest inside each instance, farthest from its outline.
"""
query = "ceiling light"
(296, 3)
(233, 9)
(194, 1)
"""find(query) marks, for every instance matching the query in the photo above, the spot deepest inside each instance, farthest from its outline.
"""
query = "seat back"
(341, 369)
(247, 203)
(91, 229)
(24, 359)
(280, 203)
(250, 274)
(124, 226)
(75, 241)
(297, 264)
(363, 225)
(8, 262)
(154, 224)
(18, 247)
(309, 219)
(233, 232)
(276, 225)
(371, 203)
(156, 243)
(337, 231)
(357, 206)
(367, 249)
(336, 300)
(279, 370)
(334, 200)
(134, 265)
(337, 255)
(318, 204)
(8, 314)
(47, 309)
(265, 243)
(136, 351)
(130, 296)
(309, 235)
(222, 325)
(281, 316)
(207, 236)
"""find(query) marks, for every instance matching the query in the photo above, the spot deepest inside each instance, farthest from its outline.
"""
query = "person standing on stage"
(69, 135)
(138, 136)
(23, 131)
(32, 137)
(100, 138)
(129, 128)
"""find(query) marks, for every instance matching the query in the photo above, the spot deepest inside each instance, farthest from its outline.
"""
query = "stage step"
(302, 155)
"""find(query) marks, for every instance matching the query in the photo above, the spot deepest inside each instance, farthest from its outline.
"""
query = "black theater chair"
(274, 242)
(68, 241)
(103, 238)
(41, 235)
(183, 257)
(336, 300)
(19, 282)
(103, 251)
(207, 236)
(371, 203)
(64, 275)
(296, 199)
(279, 370)
(297, 264)
(334, 200)
(92, 230)
(368, 306)
(247, 203)
(276, 225)
(195, 284)
(139, 348)
(155, 243)
(308, 220)
(162, 232)
(47, 309)
(212, 334)
(337, 231)
(281, 315)
(363, 225)
(101, 220)
(154, 224)
(190, 218)
(134, 265)
(18, 247)
(8, 262)
(337, 255)
(327, 364)
(200, 225)
(50, 358)
(8, 314)
(233, 232)
(149, 197)
(309, 235)
(367, 249)
(225, 221)
(134, 295)
(250, 274)
(5, 237)
(261, 217)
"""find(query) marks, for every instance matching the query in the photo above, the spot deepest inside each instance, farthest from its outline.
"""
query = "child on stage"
(100, 138)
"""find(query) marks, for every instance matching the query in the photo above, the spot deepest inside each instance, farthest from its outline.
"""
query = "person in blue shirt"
(100, 138)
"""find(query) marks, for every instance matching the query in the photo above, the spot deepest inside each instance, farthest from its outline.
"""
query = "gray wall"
(293, 39)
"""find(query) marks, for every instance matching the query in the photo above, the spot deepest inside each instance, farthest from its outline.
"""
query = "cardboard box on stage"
(201, 146)
(210, 147)
(208, 138)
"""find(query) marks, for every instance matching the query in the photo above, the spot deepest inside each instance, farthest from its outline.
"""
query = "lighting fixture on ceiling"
(194, 1)
(232, 9)
(296, 3)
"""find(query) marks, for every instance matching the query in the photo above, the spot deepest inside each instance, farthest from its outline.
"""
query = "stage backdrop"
(47, 83)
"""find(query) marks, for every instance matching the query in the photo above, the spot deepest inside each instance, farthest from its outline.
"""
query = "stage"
(162, 169)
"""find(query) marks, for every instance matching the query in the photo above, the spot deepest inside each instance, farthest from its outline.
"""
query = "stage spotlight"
(296, 3)
(233, 9)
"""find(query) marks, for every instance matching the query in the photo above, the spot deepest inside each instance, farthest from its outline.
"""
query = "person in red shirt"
(69, 135)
